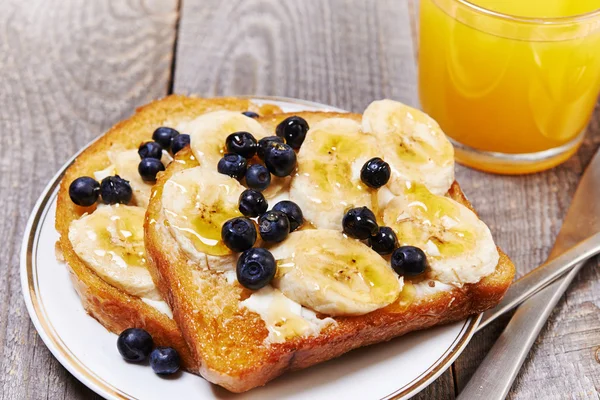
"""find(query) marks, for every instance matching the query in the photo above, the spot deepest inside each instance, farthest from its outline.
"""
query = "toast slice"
(114, 308)
(228, 341)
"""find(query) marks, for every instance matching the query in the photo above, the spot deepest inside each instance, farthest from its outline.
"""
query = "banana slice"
(332, 274)
(328, 179)
(111, 242)
(209, 131)
(197, 201)
(459, 246)
(412, 143)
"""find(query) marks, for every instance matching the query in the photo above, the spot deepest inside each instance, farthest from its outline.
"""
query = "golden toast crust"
(112, 307)
(228, 342)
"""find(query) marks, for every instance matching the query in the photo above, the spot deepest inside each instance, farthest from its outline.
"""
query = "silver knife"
(494, 377)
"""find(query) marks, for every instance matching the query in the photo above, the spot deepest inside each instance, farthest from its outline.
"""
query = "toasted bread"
(112, 307)
(228, 342)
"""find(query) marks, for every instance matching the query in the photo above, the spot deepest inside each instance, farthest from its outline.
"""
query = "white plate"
(397, 369)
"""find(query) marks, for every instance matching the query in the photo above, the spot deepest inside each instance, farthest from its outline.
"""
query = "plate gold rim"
(35, 307)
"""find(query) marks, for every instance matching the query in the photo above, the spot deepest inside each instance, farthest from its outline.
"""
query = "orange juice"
(514, 77)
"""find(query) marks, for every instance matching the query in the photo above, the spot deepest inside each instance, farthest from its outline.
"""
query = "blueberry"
(252, 203)
(242, 143)
(360, 223)
(150, 150)
(264, 143)
(179, 142)
(115, 189)
(258, 177)
(256, 268)
(164, 136)
(409, 261)
(84, 191)
(238, 234)
(233, 165)
(292, 211)
(135, 344)
(274, 226)
(375, 173)
(293, 130)
(165, 360)
(251, 114)
(149, 167)
(280, 159)
(384, 241)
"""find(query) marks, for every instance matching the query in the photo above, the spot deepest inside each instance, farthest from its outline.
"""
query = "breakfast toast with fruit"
(102, 201)
(289, 240)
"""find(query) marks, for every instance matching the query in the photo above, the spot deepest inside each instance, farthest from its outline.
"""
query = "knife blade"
(495, 375)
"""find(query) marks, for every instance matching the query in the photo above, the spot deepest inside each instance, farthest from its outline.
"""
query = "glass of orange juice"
(513, 83)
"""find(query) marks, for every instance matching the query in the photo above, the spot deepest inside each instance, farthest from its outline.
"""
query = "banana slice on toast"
(328, 179)
(209, 131)
(412, 143)
(459, 246)
(111, 242)
(197, 201)
(326, 271)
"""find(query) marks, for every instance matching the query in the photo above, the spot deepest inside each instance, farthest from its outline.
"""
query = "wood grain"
(343, 53)
(70, 69)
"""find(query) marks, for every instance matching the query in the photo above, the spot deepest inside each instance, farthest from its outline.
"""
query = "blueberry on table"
(84, 191)
(409, 261)
(179, 142)
(233, 165)
(273, 226)
(135, 344)
(165, 360)
(150, 150)
(238, 234)
(115, 189)
(164, 136)
(251, 114)
(293, 213)
(258, 177)
(256, 268)
(384, 241)
(242, 143)
(375, 173)
(148, 168)
(264, 143)
(280, 159)
(360, 223)
(252, 203)
(293, 130)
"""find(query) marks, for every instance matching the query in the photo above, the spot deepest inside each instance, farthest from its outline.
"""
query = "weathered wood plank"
(525, 214)
(70, 69)
(336, 52)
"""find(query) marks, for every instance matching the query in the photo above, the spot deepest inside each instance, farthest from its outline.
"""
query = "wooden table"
(69, 69)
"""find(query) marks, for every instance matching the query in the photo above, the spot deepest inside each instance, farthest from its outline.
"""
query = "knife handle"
(494, 377)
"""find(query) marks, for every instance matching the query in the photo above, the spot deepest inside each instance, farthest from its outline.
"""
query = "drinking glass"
(513, 90)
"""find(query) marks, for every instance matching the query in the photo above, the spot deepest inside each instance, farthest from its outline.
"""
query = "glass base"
(515, 164)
